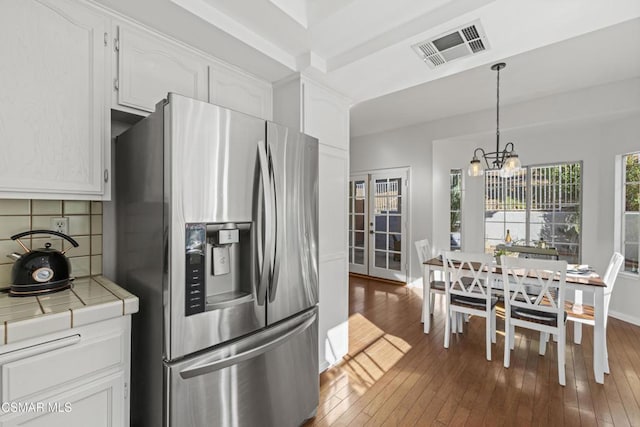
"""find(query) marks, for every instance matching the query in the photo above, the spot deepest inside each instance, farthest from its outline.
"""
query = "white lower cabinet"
(77, 378)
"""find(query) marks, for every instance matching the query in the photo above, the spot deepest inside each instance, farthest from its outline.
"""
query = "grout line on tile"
(40, 304)
(112, 293)
(77, 296)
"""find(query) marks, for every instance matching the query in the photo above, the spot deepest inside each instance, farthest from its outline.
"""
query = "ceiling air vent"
(466, 40)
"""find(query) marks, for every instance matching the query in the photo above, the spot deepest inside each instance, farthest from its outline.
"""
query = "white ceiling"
(362, 48)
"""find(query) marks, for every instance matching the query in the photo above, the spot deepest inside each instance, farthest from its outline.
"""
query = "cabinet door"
(53, 112)
(149, 67)
(237, 91)
(325, 115)
(98, 403)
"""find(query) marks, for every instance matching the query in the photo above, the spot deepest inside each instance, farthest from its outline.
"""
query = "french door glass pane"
(394, 261)
(358, 256)
(380, 259)
(359, 208)
(381, 241)
(359, 219)
(395, 224)
(359, 241)
(381, 223)
(395, 242)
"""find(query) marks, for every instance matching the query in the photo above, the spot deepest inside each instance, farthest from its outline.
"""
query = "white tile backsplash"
(76, 207)
(14, 207)
(46, 207)
(85, 225)
(10, 225)
(79, 225)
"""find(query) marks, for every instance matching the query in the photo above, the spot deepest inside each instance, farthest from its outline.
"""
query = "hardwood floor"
(395, 375)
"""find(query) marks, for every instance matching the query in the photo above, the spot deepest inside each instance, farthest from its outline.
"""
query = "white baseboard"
(625, 317)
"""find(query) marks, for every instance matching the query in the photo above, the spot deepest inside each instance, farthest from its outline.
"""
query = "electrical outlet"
(60, 225)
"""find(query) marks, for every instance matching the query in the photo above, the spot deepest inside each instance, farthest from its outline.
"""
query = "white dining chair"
(436, 286)
(580, 313)
(534, 299)
(466, 278)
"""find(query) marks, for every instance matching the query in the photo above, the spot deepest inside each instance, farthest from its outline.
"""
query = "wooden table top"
(590, 280)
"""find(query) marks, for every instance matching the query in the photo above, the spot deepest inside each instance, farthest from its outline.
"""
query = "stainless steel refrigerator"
(217, 234)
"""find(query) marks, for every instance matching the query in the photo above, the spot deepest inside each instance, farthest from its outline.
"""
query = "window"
(455, 184)
(631, 211)
(540, 203)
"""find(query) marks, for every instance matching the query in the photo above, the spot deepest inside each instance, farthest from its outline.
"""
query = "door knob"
(371, 231)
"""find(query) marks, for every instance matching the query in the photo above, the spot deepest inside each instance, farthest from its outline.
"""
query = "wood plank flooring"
(394, 375)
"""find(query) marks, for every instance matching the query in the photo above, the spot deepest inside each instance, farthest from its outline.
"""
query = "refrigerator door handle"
(275, 254)
(206, 367)
(265, 268)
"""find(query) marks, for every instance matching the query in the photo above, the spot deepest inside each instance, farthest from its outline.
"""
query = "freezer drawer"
(267, 379)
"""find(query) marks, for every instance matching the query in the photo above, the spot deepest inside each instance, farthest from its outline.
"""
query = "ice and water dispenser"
(218, 266)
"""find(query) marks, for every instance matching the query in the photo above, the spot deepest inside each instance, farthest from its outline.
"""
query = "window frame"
(460, 175)
(621, 216)
(529, 198)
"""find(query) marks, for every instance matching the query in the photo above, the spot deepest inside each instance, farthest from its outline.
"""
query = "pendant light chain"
(498, 110)
(505, 160)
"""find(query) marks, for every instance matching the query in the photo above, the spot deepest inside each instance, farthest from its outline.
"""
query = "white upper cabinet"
(53, 113)
(149, 67)
(239, 91)
(325, 115)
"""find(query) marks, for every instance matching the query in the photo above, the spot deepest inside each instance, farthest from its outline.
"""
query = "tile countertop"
(91, 299)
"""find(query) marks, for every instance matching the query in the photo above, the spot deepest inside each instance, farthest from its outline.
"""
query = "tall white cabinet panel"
(325, 115)
(239, 91)
(334, 286)
(149, 67)
(53, 114)
(320, 112)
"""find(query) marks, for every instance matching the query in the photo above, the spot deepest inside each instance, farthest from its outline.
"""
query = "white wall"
(592, 125)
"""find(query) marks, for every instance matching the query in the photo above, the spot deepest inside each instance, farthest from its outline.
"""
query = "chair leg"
(513, 337)
(460, 322)
(577, 332)
(447, 329)
(467, 317)
(561, 358)
(507, 344)
(488, 333)
(493, 326)
(606, 354)
(542, 348)
(432, 302)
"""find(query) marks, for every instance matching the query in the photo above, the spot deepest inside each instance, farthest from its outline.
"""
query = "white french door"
(378, 224)
(358, 224)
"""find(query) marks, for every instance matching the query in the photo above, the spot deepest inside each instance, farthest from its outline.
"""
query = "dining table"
(578, 281)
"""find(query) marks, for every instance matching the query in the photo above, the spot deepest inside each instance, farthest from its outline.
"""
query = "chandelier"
(506, 161)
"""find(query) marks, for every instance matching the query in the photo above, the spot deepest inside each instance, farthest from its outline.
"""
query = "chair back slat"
(613, 269)
(424, 250)
(467, 274)
(534, 284)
